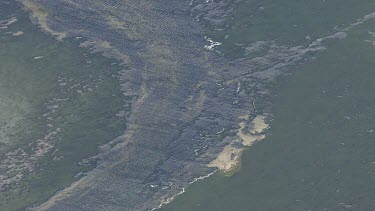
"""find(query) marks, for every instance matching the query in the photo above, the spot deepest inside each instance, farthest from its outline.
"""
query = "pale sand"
(229, 158)
(107, 50)
(248, 139)
(18, 33)
(41, 16)
(5, 23)
(258, 125)
(59, 196)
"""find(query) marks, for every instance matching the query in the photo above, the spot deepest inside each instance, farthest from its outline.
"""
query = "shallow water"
(318, 154)
(58, 104)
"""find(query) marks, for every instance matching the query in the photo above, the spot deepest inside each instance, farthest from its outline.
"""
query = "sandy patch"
(61, 195)
(18, 33)
(227, 159)
(258, 125)
(248, 139)
(230, 157)
(5, 23)
(41, 16)
(107, 50)
(115, 23)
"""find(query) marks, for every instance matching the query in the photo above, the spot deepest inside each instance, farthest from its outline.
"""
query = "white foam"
(168, 200)
(212, 44)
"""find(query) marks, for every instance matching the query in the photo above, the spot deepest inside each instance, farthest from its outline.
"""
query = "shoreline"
(169, 200)
(229, 159)
(192, 105)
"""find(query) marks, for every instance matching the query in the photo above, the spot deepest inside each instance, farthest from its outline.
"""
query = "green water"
(287, 22)
(55, 91)
(319, 152)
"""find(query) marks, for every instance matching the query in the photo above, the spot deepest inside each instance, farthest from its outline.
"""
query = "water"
(307, 66)
(318, 154)
(58, 104)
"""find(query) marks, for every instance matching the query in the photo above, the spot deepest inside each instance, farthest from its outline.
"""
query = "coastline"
(108, 50)
(196, 103)
(320, 143)
(229, 159)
